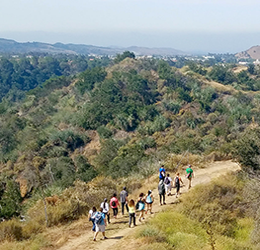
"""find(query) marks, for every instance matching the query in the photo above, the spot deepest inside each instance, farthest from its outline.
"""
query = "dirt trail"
(118, 230)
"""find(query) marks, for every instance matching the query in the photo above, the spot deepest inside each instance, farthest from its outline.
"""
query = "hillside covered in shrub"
(116, 122)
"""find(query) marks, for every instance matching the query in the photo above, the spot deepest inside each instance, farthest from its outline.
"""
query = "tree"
(121, 57)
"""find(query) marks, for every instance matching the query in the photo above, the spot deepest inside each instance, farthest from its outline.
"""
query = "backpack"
(98, 218)
(177, 181)
(167, 181)
(113, 203)
(137, 205)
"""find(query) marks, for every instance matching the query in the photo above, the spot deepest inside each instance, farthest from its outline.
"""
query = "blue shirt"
(161, 170)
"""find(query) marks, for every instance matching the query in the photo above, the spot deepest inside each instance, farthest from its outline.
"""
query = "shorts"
(100, 228)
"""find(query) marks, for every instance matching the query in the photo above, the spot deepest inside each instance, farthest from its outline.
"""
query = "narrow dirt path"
(118, 230)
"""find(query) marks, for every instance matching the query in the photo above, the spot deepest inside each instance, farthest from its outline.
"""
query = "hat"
(124, 188)
(105, 200)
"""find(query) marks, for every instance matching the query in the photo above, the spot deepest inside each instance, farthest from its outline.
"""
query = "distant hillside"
(11, 46)
(253, 53)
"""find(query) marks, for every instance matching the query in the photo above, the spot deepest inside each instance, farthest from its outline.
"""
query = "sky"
(215, 26)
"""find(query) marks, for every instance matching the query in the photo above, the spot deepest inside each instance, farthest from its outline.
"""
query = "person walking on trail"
(149, 201)
(91, 217)
(178, 182)
(189, 175)
(100, 222)
(168, 184)
(161, 191)
(161, 173)
(131, 212)
(114, 204)
(105, 206)
(140, 206)
(123, 199)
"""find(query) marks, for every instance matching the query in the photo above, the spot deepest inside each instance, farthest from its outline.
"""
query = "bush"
(216, 205)
(10, 199)
(175, 229)
(104, 132)
(10, 230)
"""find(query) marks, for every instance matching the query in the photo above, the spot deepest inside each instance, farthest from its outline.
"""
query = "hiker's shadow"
(115, 238)
(121, 222)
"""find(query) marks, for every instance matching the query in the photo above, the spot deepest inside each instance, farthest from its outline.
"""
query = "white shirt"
(106, 209)
(91, 213)
(170, 179)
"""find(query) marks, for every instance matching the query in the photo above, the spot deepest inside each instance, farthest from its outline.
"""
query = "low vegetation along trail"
(118, 231)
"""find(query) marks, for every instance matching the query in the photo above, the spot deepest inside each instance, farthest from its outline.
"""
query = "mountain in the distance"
(11, 46)
(252, 53)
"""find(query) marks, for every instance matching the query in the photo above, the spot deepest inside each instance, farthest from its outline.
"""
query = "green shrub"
(215, 205)
(104, 132)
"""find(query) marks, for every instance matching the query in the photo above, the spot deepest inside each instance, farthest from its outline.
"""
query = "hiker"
(140, 206)
(105, 207)
(178, 182)
(161, 191)
(149, 201)
(91, 217)
(100, 222)
(123, 199)
(114, 204)
(161, 173)
(189, 175)
(131, 212)
(168, 184)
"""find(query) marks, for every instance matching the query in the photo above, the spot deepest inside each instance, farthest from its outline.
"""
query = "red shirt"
(115, 200)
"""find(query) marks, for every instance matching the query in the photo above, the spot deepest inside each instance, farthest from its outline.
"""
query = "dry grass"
(173, 161)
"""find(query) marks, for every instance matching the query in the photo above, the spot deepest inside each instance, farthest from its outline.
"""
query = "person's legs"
(160, 199)
(130, 219)
(126, 206)
(108, 217)
(104, 235)
(95, 235)
(177, 190)
(189, 183)
(164, 199)
(166, 189)
(141, 215)
(93, 225)
(134, 219)
(122, 204)
(151, 205)
(115, 211)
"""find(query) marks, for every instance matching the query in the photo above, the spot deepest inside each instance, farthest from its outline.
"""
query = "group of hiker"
(166, 183)
(143, 205)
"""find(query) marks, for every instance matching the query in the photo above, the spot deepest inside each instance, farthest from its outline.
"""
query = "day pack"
(177, 181)
(137, 205)
(98, 218)
(113, 203)
(167, 181)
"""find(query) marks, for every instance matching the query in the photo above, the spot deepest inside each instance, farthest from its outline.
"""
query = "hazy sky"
(189, 25)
